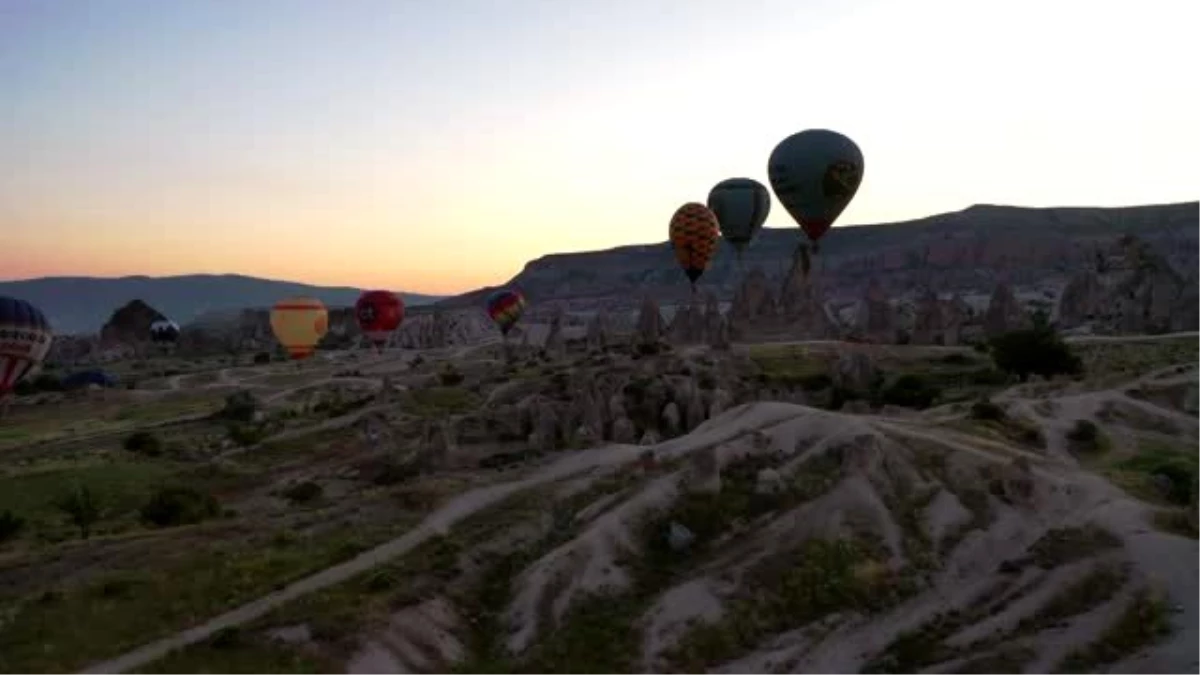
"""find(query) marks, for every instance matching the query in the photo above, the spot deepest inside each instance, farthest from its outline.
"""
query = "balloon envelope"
(741, 206)
(694, 238)
(379, 313)
(25, 338)
(164, 331)
(505, 307)
(815, 174)
(299, 324)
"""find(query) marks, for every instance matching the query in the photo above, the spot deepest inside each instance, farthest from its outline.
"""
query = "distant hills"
(83, 304)
(966, 251)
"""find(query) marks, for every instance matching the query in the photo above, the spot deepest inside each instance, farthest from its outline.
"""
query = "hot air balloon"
(694, 238)
(25, 338)
(164, 332)
(741, 206)
(379, 314)
(505, 307)
(815, 174)
(299, 324)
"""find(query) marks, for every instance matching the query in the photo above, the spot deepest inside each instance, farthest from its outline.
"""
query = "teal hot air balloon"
(815, 174)
(741, 206)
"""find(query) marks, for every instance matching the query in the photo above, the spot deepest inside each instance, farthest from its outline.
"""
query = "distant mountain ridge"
(966, 251)
(83, 304)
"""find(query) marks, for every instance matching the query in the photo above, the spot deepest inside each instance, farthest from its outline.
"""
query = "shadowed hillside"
(82, 304)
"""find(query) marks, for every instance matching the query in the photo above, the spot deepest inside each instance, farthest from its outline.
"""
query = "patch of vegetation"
(247, 434)
(338, 405)
(1036, 351)
(240, 406)
(709, 515)
(304, 492)
(42, 383)
(1159, 473)
(788, 591)
(910, 391)
(987, 411)
(1181, 522)
(262, 358)
(788, 366)
(909, 510)
(1004, 660)
(449, 376)
(1143, 622)
(233, 652)
(82, 507)
(144, 443)
(976, 501)
(1099, 585)
(444, 400)
(10, 526)
(914, 650)
(121, 486)
(1084, 437)
(598, 634)
(1064, 545)
(116, 613)
(182, 505)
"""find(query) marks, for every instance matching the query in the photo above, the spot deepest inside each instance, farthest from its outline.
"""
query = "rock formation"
(649, 325)
(130, 324)
(874, 319)
(1004, 312)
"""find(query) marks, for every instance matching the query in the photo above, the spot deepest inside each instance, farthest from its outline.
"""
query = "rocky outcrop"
(1004, 312)
(754, 301)
(875, 320)
(130, 324)
(649, 325)
(967, 251)
(1128, 288)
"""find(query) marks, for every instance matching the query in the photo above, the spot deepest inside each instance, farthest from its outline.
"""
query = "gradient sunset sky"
(437, 145)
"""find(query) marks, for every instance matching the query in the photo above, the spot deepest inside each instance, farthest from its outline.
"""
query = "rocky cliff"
(968, 253)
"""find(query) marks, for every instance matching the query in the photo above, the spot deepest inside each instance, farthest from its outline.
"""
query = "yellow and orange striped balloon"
(299, 324)
(694, 234)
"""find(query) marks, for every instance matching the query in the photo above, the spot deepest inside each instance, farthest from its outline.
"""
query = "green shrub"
(1037, 351)
(240, 406)
(10, 526)
(911, 391)
(302, 493)
(1084, 436)
(987, 411)
(144, 443)
(450, 376)
(172, 506)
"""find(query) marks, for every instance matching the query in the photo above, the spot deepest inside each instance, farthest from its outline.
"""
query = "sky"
(438, 146)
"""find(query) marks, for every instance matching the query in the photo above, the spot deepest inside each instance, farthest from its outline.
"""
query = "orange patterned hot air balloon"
(299, 324)
(694, 234)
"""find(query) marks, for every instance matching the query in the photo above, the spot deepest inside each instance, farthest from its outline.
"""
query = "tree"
(1035, 351)
(172, 506)
(82, 507)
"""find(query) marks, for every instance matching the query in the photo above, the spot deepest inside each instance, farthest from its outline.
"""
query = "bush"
(41, 383)
(304, 492)
(172, 506)
(1085, 435)
(262, 358)
(911, 391)
(240, 406)
(987, 411)
(82, 507)
(246, 434)
(450, 376)
(1037, 351)
(144, 443)
(10, 525)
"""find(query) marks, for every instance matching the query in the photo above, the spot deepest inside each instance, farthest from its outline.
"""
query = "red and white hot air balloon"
(25, 338)
(379, 314)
